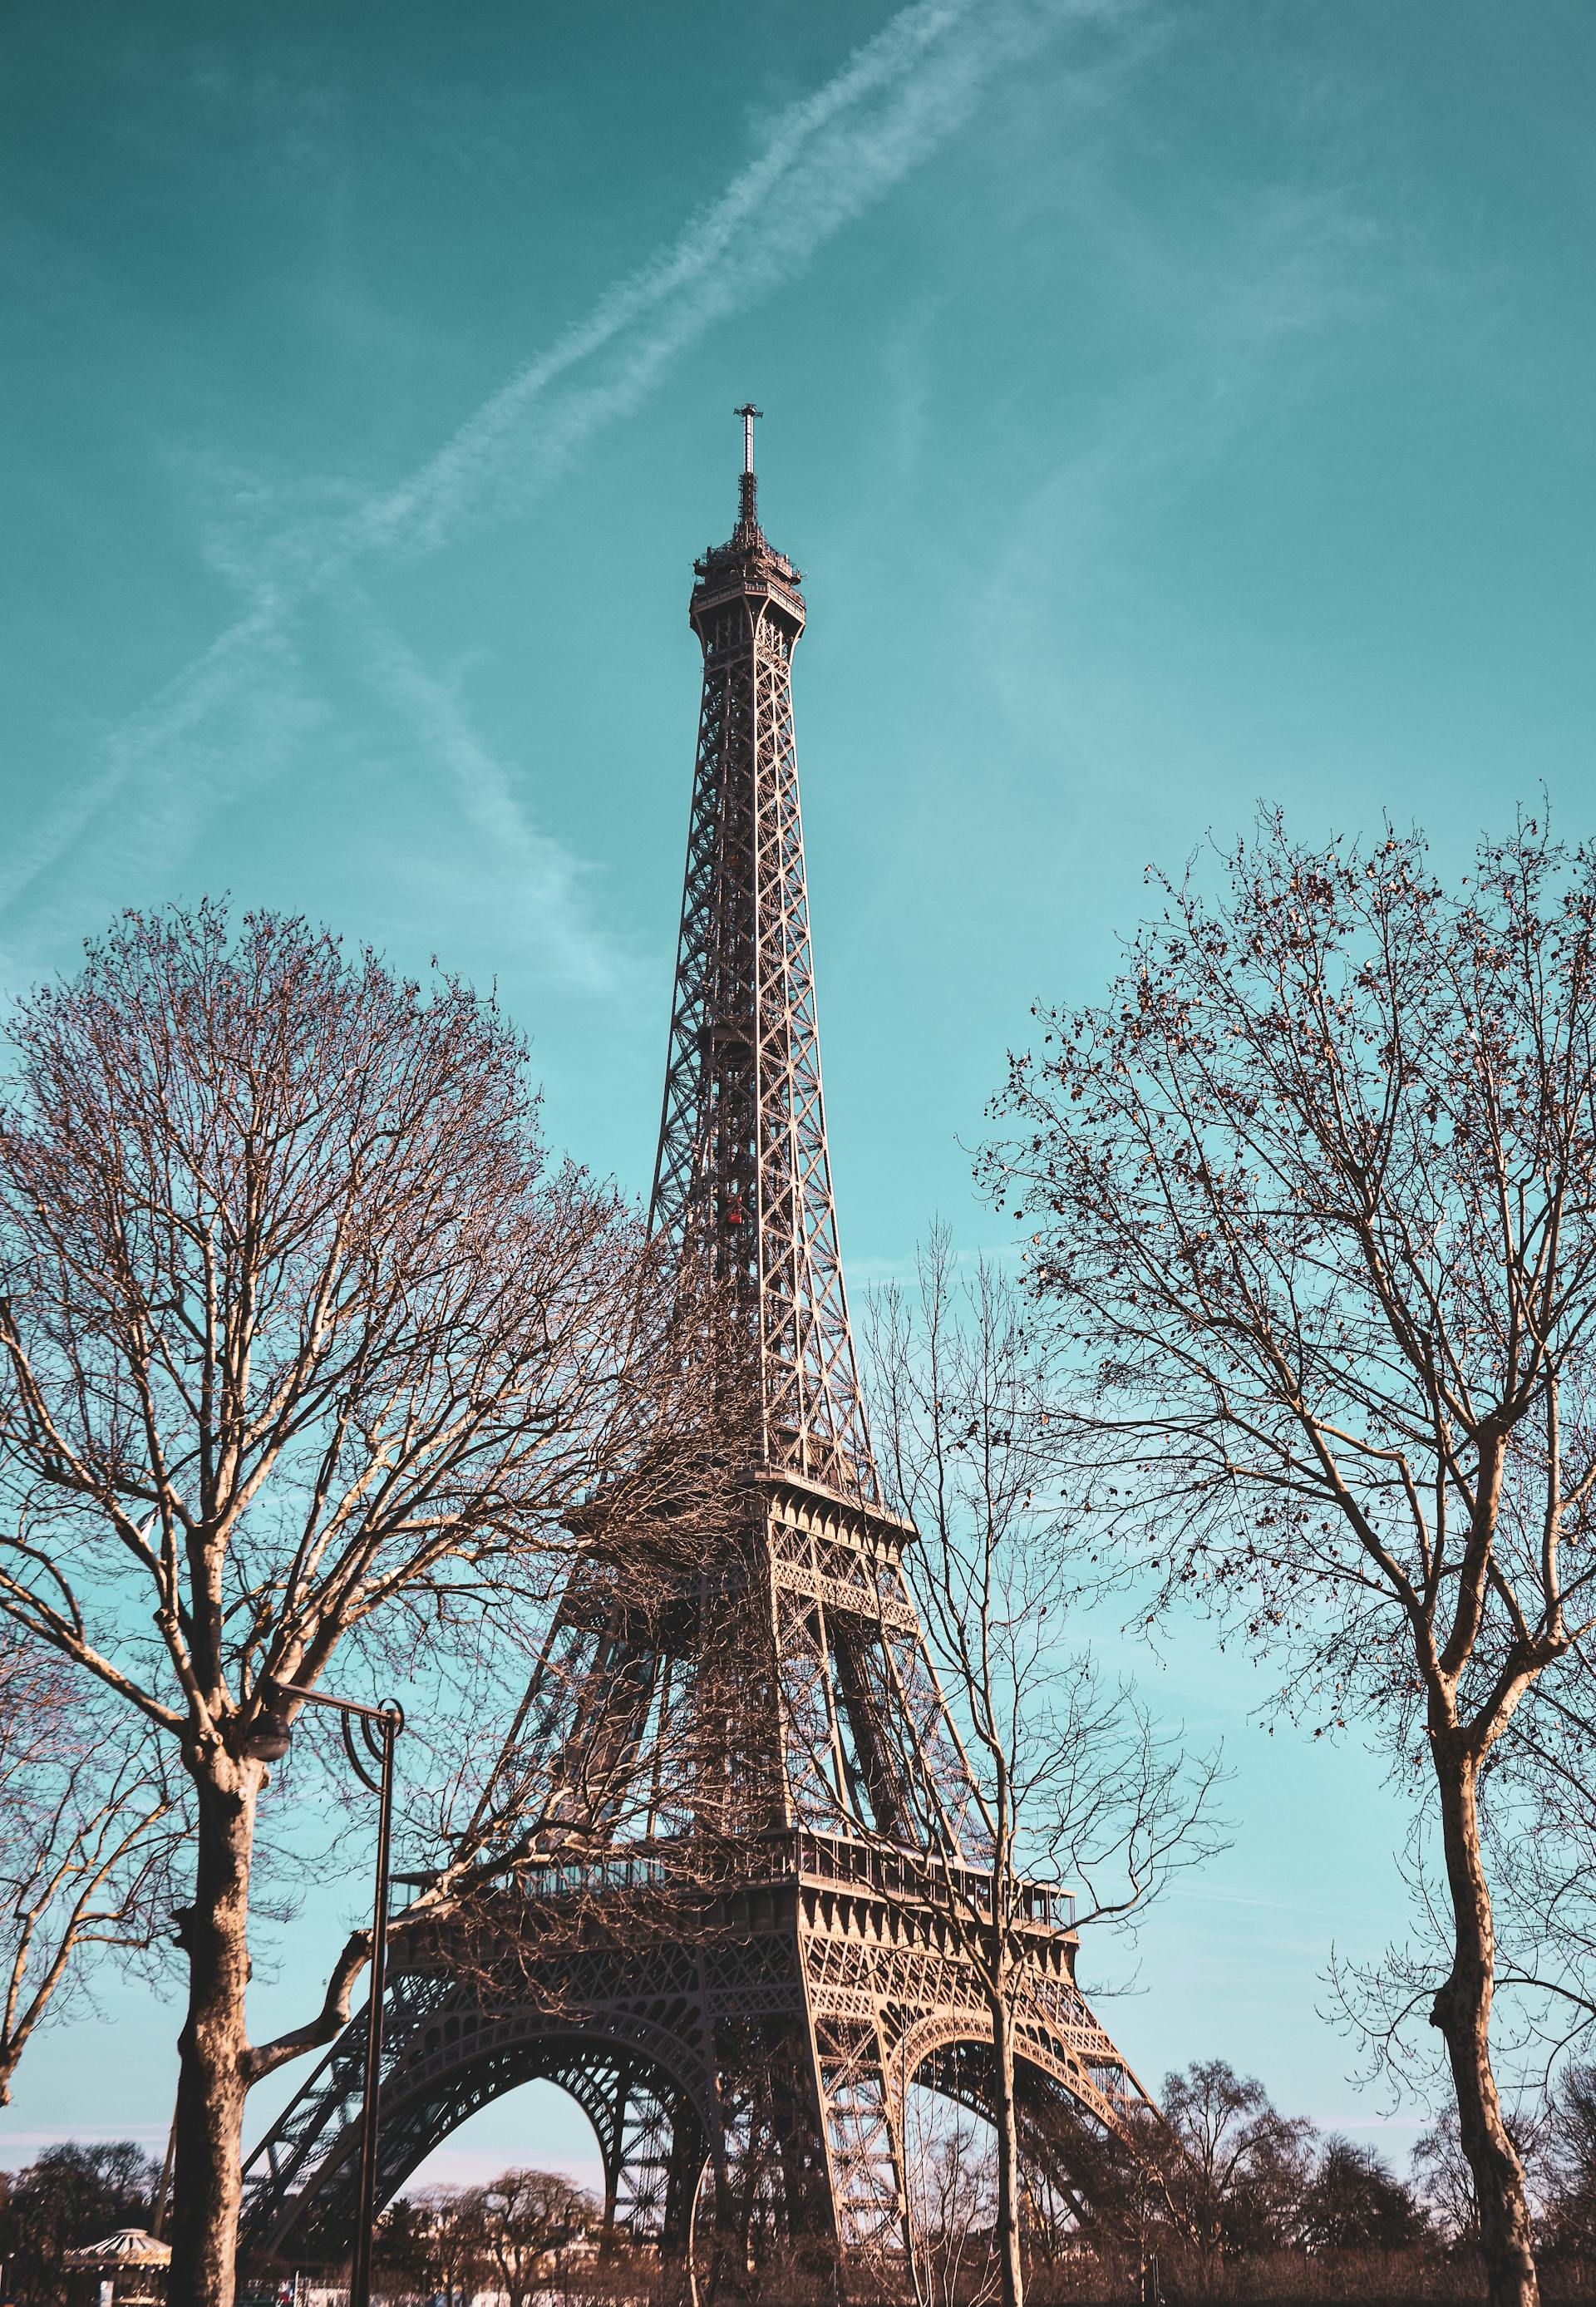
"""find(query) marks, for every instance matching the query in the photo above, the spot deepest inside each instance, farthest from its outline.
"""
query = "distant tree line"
(1236, 2201)
(521, 2237)
(1254, 2205)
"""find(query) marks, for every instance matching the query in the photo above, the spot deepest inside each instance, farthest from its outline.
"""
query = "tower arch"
(636, 2083)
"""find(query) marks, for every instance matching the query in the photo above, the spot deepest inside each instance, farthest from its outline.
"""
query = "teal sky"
(1169, 407)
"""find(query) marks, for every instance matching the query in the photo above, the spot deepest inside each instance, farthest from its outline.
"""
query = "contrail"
(826, 160)
(551, 906)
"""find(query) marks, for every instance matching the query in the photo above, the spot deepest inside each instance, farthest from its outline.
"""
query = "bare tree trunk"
(1462, 2011)
(212, 2048)
(1006, 2239)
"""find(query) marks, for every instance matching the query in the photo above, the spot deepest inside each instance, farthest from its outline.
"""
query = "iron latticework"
(736, 1947)
(744, 1179)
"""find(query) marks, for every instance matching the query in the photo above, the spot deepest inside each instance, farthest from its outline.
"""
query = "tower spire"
(747, 519)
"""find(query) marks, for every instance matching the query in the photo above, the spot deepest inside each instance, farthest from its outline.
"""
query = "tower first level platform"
(741, 2025)
(740, 2007)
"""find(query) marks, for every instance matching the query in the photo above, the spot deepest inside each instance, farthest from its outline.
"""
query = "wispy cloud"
(1293, 272)
(823, 162)
(826, 160)
(550, 905)
(232, 721)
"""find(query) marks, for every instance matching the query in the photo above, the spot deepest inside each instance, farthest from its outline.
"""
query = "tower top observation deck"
(748, 562)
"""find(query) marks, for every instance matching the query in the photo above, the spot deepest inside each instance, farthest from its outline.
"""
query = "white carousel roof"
(128, 2247)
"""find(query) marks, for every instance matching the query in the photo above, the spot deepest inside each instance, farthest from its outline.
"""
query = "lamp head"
(269, 1735)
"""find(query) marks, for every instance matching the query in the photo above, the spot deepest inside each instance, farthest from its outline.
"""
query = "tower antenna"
(746, 516)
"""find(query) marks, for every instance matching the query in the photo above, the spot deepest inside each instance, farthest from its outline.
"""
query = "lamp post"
(379, 1728)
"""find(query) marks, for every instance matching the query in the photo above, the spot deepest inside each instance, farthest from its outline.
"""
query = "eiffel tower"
(738, 1973)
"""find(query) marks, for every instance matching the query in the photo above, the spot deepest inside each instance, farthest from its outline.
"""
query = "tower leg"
(609, 2146)
(682, 2185)
(649, 2125)
(863, 2123)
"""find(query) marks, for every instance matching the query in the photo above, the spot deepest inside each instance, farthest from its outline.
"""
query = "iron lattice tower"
(733, 1947)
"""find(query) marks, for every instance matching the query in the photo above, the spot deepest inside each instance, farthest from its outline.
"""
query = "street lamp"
(378, 1726)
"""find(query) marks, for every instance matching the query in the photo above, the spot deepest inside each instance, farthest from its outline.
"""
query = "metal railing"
(799, 1854)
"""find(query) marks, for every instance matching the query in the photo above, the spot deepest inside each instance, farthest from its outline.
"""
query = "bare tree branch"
(89, 1834)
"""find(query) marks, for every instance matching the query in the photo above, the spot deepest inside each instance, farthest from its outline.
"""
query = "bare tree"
(1241, 2169)
(305, 1345)
(435, 2234)
(1538, 1810)
(1568, 2165)
(1312, 1198)
(951, 2176)
(88, 1831)
(528, 2221)
(1443, 2181)
(1063, 1778)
